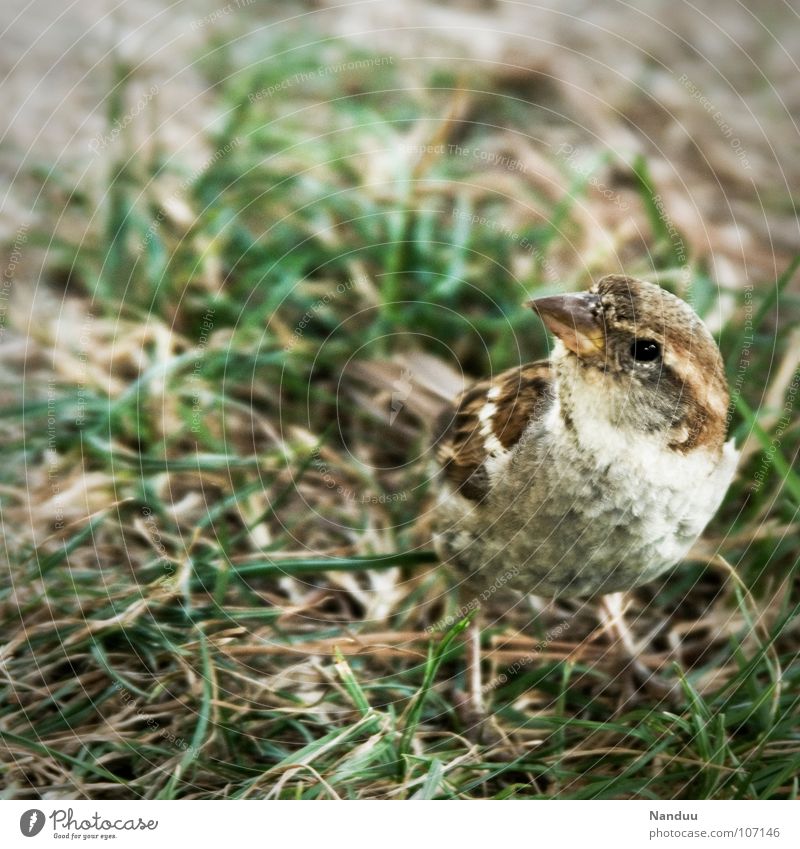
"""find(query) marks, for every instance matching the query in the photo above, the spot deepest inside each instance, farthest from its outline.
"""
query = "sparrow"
(593, 471)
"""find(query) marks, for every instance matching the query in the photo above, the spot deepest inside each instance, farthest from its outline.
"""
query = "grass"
(220, 581)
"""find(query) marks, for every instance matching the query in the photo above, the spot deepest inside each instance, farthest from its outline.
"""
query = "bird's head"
(633, 354)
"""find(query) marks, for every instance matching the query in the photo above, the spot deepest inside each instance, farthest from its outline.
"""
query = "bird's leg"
(612, 619)
(480, 725)
(469, 703)
(474, 682)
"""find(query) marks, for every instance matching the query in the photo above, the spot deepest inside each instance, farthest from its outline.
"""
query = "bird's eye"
(645, 350)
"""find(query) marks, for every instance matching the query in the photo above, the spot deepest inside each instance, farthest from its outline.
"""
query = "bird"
(584, 475)
(596, 470)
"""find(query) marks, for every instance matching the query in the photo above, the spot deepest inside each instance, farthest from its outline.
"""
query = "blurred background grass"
(219, 575)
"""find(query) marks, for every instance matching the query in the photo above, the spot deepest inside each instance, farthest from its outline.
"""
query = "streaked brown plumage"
(520, 394)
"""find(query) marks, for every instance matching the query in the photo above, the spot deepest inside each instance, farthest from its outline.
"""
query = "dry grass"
(220, 576)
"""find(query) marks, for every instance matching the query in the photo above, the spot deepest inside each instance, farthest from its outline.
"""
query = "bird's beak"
(577, 320)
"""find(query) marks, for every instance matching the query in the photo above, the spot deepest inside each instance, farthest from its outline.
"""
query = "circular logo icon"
(31, 822)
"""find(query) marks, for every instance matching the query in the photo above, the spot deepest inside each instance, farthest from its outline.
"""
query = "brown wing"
(487, 421)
